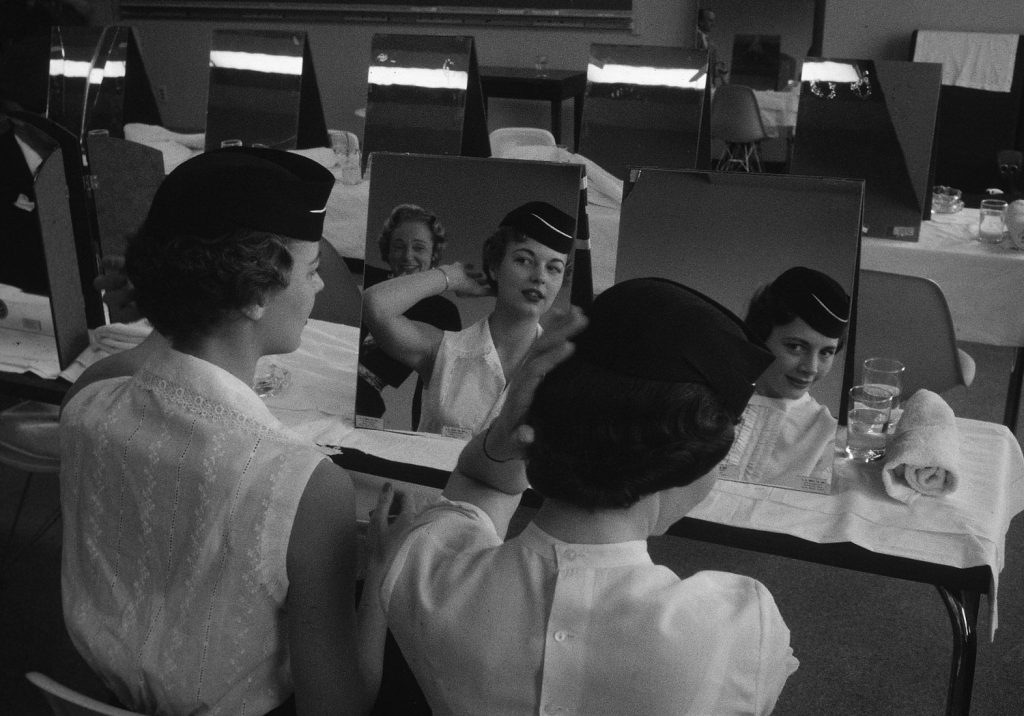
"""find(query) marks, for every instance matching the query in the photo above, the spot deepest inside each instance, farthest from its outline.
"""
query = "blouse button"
(561, 635)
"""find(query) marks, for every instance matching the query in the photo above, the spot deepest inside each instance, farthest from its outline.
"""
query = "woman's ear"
(254, 311)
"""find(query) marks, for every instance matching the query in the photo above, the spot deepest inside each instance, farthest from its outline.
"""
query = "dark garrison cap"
(658, 329)
(544, 223)
(224, 190)
(815, 297)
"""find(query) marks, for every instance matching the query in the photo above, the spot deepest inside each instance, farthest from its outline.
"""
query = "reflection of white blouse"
(782, 441)
(467, 386)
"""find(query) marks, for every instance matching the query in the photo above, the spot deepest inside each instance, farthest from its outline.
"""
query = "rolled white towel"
(923, 456)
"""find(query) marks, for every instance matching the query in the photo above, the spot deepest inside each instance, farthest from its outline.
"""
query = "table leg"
(556, 120)
(1013, 391)
(962, 607)
(577, 121)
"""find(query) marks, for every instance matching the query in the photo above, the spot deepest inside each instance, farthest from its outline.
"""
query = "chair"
(736, 120)
(506, 138)
(68, 702)
(29, 444)
(906, 317)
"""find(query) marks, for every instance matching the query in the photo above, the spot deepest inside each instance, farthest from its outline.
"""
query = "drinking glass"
(992, 221)
(867, 422)
(885, 373)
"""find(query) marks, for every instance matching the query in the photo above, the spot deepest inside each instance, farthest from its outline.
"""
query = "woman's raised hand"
(509, 436)
(466, 280)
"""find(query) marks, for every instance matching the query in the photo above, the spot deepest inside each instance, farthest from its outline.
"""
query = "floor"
(867, 645)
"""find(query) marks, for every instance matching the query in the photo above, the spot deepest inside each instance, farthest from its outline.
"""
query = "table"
(955, 543)
(551, 85)
(983, 284)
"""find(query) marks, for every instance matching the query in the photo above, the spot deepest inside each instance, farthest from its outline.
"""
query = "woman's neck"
(227, 348)
(570, 523)
(512, 335)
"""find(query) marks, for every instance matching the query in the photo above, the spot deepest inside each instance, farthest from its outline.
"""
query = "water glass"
(992, 221)
(885, 373)
(867, 422)
(946, 200)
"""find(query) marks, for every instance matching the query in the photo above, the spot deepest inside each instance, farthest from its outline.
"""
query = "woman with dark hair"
(620, 439)
(802, 317)
(465, 373)
(209, 554)
(412, 240)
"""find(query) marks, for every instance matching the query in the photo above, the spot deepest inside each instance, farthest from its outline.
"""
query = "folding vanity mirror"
(43, 322)
(263, 91)
(119, 91)
(85, 78)
(728, 234)
(469, 197)
(846, 128)
(424, 96)
(646, 105)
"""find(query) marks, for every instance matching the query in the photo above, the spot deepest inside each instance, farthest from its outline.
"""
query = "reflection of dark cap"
(244, 188)
(658, 329)
(544, 223)
(816, 298)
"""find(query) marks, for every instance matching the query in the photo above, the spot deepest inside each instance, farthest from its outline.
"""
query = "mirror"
(263, 91)
(40, 283)
(119, 90)
(646, 105)
(424, 96)
(727, 234)
(469, 197)
(845, 128)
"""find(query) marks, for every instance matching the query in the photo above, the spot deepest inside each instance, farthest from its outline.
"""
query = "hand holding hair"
(509, 436)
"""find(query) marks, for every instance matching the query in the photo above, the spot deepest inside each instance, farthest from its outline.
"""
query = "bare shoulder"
(325, 519)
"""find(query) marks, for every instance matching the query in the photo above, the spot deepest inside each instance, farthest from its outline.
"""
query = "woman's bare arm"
(336, 653)
(412, 342)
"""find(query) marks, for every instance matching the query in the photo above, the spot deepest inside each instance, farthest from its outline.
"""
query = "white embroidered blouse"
(178, 491)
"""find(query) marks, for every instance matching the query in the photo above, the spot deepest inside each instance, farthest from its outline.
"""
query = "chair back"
(68, 702)
(907, 318)
(505, 138)
(735, 117)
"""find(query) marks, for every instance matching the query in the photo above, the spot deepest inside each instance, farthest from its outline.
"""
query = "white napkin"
(152, 133)
(923, 456)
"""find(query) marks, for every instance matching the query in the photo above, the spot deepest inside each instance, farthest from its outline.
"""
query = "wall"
(881, 29)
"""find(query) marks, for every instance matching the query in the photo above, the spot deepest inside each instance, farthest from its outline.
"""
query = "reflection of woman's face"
(411, 248)
(530, 276)
(802, 357)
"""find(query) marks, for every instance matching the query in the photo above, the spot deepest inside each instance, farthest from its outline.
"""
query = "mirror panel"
(72, 58)
(646, 105)
(726, 234)
(469, 196)
(424, 96)
(261, 87)
(844, 129)
(119, 89)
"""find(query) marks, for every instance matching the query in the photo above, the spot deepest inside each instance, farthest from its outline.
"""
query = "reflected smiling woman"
(412, 240)
(802, 317)
(465, 373)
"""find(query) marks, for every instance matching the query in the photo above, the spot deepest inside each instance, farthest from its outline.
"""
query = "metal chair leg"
(962, 607)
(14, 522)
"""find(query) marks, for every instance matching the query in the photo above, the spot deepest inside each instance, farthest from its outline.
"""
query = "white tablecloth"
(964, 529)
(983, 283)
(778, 110)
